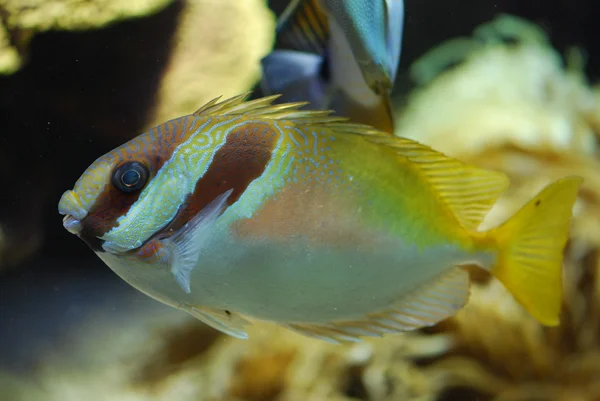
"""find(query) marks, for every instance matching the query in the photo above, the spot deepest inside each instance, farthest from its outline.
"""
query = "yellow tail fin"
(531, 245)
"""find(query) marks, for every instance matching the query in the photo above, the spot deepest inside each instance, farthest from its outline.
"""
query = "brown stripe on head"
(152, 149)
(242, 159)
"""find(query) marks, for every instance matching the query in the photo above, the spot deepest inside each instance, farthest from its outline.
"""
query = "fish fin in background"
(372, 30)
(531, 245)
(468, 191)
(225, 321)
(426, 306)
(395, 28)
(354, 62)
(298, 70)
(361, 69)
(292, 73)
(376, 112)
(187, 243)
(303, 27)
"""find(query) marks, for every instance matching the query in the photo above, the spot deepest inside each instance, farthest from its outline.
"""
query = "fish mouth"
(73, 209)
(72, 225)
(70, 205)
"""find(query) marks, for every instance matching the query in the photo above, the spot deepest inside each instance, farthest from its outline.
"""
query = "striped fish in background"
(245, 210)
(338, 54)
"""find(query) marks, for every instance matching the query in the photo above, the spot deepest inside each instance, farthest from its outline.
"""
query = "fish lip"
(70, 204)
(72, 225)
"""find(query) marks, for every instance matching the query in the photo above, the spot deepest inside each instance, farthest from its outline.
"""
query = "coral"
(21, 19)
(10, 61)
(213, 58)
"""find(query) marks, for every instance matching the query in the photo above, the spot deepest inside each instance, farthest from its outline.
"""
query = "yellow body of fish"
(333, 229)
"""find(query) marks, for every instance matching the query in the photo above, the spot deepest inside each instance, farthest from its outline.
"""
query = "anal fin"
(426, 306)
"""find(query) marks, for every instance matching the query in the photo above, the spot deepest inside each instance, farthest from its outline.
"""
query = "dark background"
(81, 94)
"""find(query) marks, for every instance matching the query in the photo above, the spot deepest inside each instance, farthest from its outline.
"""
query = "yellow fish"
(245, 210)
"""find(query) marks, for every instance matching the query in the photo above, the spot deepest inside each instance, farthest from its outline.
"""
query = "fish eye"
(130, 177)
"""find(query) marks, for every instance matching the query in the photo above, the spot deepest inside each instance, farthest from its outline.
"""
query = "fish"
(247, 211)
(341, 55)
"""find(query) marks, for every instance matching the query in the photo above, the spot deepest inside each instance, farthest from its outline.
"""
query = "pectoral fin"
(426, 306)
(186, 244)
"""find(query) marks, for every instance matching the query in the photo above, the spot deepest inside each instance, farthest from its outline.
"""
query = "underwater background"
(506, 84)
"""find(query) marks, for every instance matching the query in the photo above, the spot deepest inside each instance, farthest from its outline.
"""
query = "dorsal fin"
(263, 108)
(469, 192)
